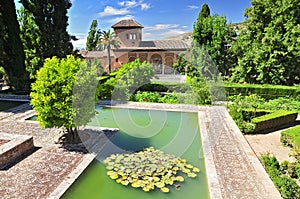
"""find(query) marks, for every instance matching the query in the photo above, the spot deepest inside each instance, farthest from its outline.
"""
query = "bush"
(154, 97)
(273, 120)
(264, 90)
(284, 183)
(291, 137)
(146, 97)
(126, 80)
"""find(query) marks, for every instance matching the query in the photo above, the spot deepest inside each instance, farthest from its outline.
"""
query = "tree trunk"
(109, 60)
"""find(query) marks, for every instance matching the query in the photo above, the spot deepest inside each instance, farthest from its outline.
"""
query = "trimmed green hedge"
(263, 90)
(273, 120)
(165, 87)
(291, 137)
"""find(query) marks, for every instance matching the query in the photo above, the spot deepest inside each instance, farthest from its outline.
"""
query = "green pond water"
(172, 132)
(5, 105)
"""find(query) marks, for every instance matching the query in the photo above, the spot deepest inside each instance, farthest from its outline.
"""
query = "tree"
(93, 36)
(31, 39)
(214, 35)
(64, 94)
(11, 49)
(204, 12)
(120, 84)
(268, 49)
(108, 40)
(51, 18)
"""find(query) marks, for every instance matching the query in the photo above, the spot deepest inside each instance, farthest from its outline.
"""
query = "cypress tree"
(13, 56)
(93, 36)
(51, 18)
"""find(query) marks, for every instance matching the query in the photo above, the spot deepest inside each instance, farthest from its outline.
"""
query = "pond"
(5, 105)
(172, 132)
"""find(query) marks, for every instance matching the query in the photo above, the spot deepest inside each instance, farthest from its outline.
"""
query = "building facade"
(160, 53)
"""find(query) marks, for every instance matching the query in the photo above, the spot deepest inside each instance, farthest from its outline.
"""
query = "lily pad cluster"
(149, 169)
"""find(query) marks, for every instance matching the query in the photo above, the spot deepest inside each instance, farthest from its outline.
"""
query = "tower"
(129, 32)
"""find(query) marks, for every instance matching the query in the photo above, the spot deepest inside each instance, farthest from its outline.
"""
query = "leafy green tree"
(268, 49)
(214, 35)
(93, 36)
(11, 49)
(126, 80)
(51, 18)
(64, 94)
(108, 41)
(205, 11)
(31, 39)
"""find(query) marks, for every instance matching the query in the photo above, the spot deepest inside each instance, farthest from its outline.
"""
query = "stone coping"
(14, 148)
(70, 179)
(17, 98)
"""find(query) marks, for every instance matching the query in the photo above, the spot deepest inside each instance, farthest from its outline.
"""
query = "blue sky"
(161, 18)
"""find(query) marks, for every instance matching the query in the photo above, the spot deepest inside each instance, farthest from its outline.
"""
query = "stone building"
(161, 53)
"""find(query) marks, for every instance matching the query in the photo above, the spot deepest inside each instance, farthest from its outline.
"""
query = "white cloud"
(193, 7)
(110, 11)
(81, 42)
(162, 31)
(117, 19)
(162, 26)
(145, 6)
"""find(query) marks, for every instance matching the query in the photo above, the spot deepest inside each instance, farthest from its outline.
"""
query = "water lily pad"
(148, 169)
(165, 189)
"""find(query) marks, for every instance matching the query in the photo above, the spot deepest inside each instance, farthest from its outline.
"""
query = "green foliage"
(51, 19)
(93, 36)
(291, 137)
(12, 56)
(268, 48)
(146, 97)
(266, 91)
(3, 74)
(31, 38)
(63, 94)
(149, 169)
(200, 91)
(213, 34)
(284, 183)
(108, 41)
(126, 80)
(155, 97)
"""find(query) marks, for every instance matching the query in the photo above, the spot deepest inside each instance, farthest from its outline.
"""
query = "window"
(127, 36)
(134, 36)
(130, 37)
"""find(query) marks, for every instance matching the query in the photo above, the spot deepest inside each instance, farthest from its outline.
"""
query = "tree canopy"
(64, 94)
(213, 34)
(268, 49)
(93, 36)
(51, 18)
(12, 56)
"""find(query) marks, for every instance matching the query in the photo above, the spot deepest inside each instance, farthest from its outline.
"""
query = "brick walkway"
(40, 173)
(239, 171)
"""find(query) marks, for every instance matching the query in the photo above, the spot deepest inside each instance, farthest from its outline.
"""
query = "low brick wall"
(16, 147)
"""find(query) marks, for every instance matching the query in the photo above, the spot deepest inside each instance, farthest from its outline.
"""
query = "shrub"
(284, 183)
(264, 90)
(291, 137)
(126, 80)
(63, 94)
(273, 120)
(146, 97)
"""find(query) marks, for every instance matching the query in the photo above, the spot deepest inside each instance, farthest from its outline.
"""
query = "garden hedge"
(265, 90)
(291, 137)
(273, 120)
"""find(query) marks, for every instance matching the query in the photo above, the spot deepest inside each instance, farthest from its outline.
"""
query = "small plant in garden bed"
(149, 169)
(281, 175)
